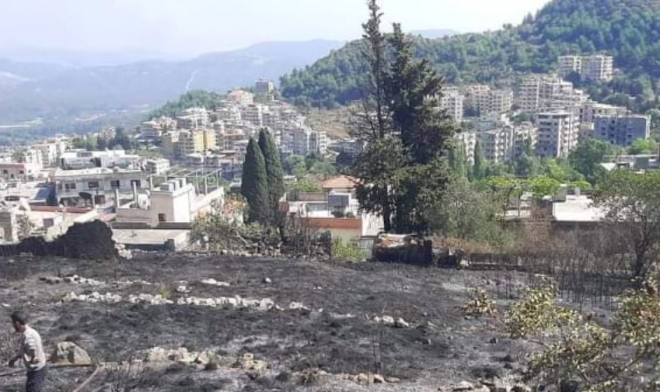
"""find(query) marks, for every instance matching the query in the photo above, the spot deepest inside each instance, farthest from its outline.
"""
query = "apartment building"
(170, 144)
(194, 118)
(499, 101)
(254, 114)
(76, 160)
(28, 155)
(304, 141)
(589, 110)
(497, 144)
(622, 130)
(20, 171)
(569, 65)
(154, 129)
(594, 68)
(597, 68)
(548, 93)
(452, 102)
(467, 141)
(240, 97)
(264, 87)
(196, 141)
(100, 183)
(157, 166)
(558, 133)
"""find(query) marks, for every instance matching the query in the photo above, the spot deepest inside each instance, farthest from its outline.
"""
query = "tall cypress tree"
(254, 186)
(274, 170)
(479, 168)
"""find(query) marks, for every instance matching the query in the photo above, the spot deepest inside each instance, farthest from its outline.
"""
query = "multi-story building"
(622, 130)
(589, 110)
(76, 160)
(594, 68)
(170, 144)
(569, 65)
(240, 97)
(20, 171)
(191, 142)
(597, 68)
(194, 118)
(157, 166)
(304, 141)
(28, 155)
(264, 87)
(452, 102)
(228, 113)
(467, 141)
(154, 129)
(254, 114)
(548, 93)
(499, 101)
(558, 134)
(497, 144)
(100, 183)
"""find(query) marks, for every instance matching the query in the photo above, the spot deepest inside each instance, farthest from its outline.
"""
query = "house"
(174, 202)
(340, 184)
(101, 183)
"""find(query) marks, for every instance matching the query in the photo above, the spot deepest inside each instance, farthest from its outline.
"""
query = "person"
(31, 352)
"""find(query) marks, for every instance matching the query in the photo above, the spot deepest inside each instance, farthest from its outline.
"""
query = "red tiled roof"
(341, 182)
(333, 223)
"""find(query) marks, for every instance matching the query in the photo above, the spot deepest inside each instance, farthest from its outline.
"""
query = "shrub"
(479, 304)
(347, 252)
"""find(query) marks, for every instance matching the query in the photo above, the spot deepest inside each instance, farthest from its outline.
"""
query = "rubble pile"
(391, 322)
(236, 302)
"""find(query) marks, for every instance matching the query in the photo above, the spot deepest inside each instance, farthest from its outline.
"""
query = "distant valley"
(59, 92)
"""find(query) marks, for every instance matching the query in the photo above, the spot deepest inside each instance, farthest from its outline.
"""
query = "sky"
(191, 27)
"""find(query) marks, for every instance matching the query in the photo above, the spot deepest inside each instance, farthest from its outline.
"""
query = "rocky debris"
(179, 355)
(75, 279)
(236, 302)
(206, 357)
(267, 280)
(51, 279)
(391, 322)
(123, 253)
(369, 378)
(213, 282)
(247, 362)
(67, 353)
(463, 386)
(133, 282)
(182, 289)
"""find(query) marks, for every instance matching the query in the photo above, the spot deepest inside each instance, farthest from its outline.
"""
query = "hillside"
(29, 90)
(627, 29)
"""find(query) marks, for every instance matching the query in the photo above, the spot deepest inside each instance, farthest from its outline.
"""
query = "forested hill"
(627, 29)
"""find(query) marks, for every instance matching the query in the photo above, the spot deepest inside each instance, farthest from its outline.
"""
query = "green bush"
(347, 252)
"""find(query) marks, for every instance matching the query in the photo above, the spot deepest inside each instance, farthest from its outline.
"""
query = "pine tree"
(254, 186)
(480, 164)
(375, 165)
(274, 170)
(413, 88)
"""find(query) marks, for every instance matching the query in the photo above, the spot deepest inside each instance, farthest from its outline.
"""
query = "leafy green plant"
(347, 251)
(479, 304)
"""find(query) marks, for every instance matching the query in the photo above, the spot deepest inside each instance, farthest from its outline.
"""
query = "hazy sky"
(188, 27)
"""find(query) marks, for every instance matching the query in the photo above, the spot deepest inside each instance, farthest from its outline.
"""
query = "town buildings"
(558, 134)
(622, 130)
(452, 102)
(595, 68)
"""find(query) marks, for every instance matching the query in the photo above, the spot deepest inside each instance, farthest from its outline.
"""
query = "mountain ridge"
(627, 29)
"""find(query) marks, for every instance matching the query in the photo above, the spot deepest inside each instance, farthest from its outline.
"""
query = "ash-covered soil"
(335, 333)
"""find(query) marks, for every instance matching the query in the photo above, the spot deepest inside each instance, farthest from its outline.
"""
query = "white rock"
(388, 320)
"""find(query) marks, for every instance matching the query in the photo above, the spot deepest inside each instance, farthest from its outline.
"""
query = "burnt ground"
(441, 348)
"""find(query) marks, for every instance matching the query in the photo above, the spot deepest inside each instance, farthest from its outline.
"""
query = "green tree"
(457, 160)
(274, 170)
(631, 204)
(375, 165)
(642, 146)
(542, 186)
(254, 185)
(480, 164)
(588, 156)
(295, 165)
(413, 90)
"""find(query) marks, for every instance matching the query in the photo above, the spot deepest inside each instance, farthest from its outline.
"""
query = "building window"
(70, 186)
(137, 183)
(162, 218)
(93, 185)
(5, 172)
(115, 184)
(21, 172)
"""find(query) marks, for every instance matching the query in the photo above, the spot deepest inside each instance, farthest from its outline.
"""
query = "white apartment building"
(569, 65)
(548, 93)
(304, 141)
(594, 68)
(622, 130)
(157, 166)
(194, 118)
(254, 114)
(99, 182)
(20, 171)
(558, 134)
(497, 144)
(499, 101)
(597, 68)
(590, 109)
(452, 101)
(75, 160)
(28, 155)
(228, 114)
